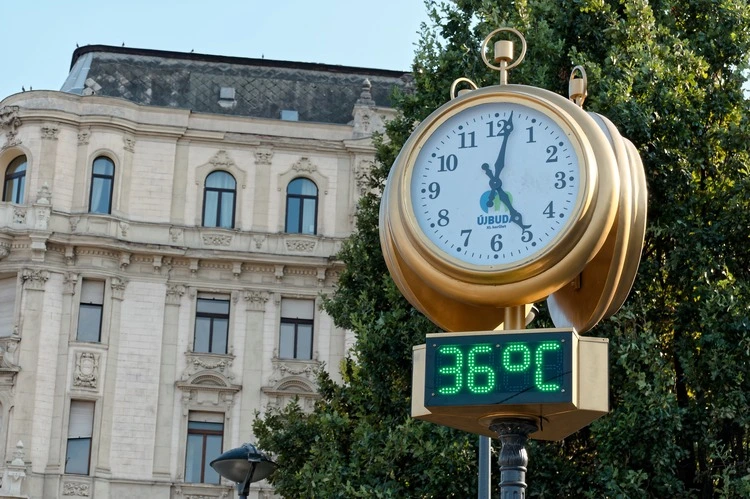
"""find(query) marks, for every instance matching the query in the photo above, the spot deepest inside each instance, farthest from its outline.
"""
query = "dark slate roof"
(262, 88)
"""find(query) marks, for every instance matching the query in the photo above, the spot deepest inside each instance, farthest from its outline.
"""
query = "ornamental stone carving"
(256, 300)
(197, 363)
(263, 156)
(259, 240)
(34, 279)
(222, 160)
(216, 239)
(9, 121)
(86, 370)
(175, 233)
(50, 132)
(124, 228)
(4, 251)
(362, 174)
(76, 489)
(19, 215)
(300, 245)
(83, 137)
(118, 287)
(69, 283)
(304, 165)
(73, 221)
(175, 292)
(128, 143)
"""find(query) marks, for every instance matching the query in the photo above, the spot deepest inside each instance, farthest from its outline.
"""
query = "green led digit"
(545, 346)
(477, 370)
(525, 361)
(452, 370)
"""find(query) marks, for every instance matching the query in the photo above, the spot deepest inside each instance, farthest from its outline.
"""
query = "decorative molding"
(194, 265)
(86, 373)
(279, 272)
(70, 255)
(175, 292)
(156, 262)
(304, 165)
(362, 174)
(236, 269)
(124, 227)
(222, 160)
(4, 250)
(124, 260)
(44, 195)
(50, 132)
(263, 156)
(70, 280)
(73, 221)
(175, 233)
(216, 239)
(199, 363)
(256, 300)
(118, 287)
(301, 245)
(128, 143)
(19, 214)
(10, 122)
(259, 240)
(34, 279)
(76, 489)
(83, 137)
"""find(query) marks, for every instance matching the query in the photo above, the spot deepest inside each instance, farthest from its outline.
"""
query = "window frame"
(212, 316)
(16, 184)
(111, 179)
(221, 191)
(90, 438)
(296, 322)
(92, 305)
(301, 212)
(205, 433)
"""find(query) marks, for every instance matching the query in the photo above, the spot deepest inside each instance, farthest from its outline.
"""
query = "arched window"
(218, 200)
(15, 180)
(302, 207)
(102, 181)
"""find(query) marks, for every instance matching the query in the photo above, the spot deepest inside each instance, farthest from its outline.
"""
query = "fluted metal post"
(513, 434)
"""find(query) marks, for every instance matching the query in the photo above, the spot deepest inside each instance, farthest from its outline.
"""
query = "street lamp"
(243, 465)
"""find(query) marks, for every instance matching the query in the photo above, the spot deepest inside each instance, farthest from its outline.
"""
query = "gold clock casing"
(536, 277)
(584, 304)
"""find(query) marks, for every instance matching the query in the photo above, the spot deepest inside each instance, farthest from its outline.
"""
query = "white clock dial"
(496, 184)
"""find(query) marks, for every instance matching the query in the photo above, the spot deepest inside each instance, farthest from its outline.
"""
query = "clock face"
(496, 184)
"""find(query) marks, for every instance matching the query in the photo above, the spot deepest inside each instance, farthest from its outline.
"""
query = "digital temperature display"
(498, 368)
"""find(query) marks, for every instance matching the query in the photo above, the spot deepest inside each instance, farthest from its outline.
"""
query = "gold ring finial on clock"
(472, 85)
(578, 87)
(503, 53)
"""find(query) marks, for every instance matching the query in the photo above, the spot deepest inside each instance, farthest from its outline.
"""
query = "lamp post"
(243, 465)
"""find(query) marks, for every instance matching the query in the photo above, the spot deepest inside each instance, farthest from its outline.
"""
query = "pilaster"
(252, 363)
(167, 378)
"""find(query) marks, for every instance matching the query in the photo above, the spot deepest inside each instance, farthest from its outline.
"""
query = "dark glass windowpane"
(199, 425)
(302, 186)
(77, 456)
(308, 216)
(210, 209)
(226, 210)
(286, 341)
(219, 338)
(293, 215)
(89, 322)
(101, 189)
(213, 450)
(304, 341)
(221, 180)
(104, 166)
(206, 306)
(202, 334)
(194, 458)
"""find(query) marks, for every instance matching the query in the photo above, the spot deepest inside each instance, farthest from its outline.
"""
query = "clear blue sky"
(39, 36)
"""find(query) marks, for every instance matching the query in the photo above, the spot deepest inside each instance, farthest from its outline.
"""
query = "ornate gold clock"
(498, 199)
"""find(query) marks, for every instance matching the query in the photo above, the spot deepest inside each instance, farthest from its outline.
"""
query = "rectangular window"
(211, 323)
(7, 305)
(80, 429)
(204, 444)
(90, 311)
(296, 329)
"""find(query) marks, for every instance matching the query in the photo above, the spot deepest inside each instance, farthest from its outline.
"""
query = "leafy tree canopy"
(669, 74)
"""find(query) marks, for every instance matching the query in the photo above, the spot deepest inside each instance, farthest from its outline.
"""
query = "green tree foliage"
(669, 74)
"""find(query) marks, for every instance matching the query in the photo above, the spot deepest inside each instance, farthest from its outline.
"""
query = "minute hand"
(505, 133)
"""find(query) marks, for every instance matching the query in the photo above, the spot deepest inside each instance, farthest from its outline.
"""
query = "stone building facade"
(167, 226)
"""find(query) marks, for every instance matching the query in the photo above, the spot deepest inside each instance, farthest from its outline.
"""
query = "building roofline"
(245, 61)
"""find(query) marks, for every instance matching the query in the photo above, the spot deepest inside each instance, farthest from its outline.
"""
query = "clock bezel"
(565, 237)
(541, 275)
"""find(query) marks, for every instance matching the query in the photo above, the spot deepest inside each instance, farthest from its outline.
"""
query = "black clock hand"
(496, 188)
(504, 132)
